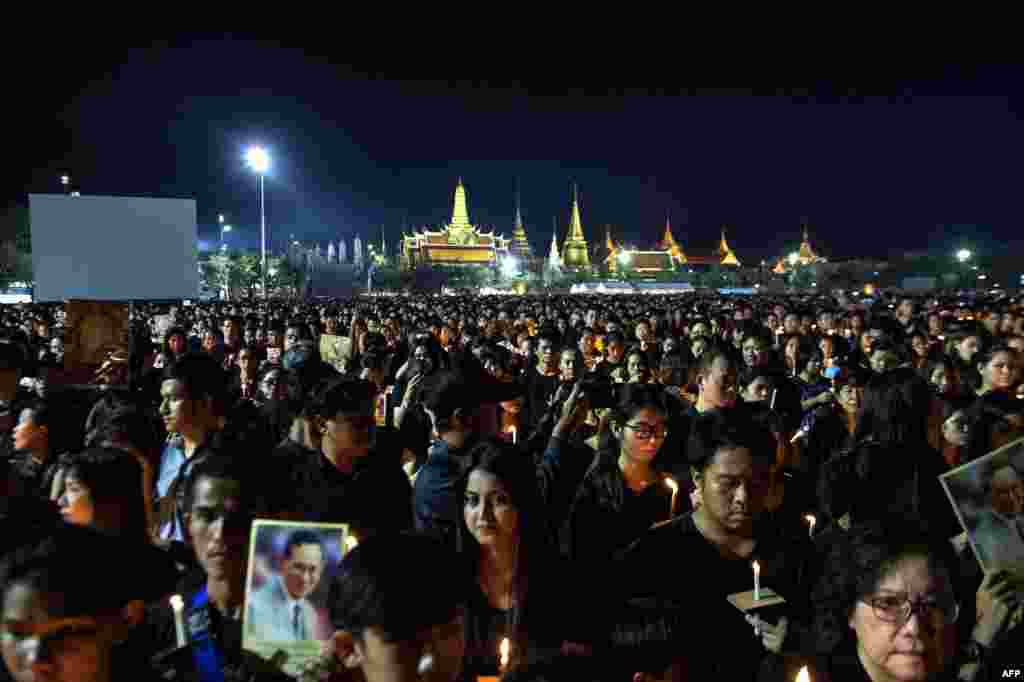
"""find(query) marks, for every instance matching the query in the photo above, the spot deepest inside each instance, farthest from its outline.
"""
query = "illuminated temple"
(456, 244)
(667, 256)
(806, 255)
(575, 254)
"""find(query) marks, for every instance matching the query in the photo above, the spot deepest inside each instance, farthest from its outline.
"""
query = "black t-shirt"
(689, 579)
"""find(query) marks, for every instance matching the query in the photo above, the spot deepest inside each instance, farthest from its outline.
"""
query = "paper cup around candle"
(178, 606)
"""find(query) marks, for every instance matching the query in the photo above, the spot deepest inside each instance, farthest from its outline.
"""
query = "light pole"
(223, 229)
(259, 162)
(963, 255)
(65, 181)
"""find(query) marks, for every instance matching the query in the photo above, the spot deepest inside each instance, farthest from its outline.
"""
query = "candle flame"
(803, 675)
(512, 429)
(811, 520)
(757, 567)
(672, 485)
(350, 543)
(503, 649)
(177, 603)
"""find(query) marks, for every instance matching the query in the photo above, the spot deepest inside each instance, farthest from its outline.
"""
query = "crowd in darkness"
(589, 477)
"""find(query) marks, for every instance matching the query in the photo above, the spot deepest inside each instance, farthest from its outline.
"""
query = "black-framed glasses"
(646, 431)
(897, 608)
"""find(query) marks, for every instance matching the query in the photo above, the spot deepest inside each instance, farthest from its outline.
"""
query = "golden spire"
(668, 242)
(726, 256)
(520, 244)
(608, 243)
(806, 254)
(575, 252)
(554, 260)
(460, 215)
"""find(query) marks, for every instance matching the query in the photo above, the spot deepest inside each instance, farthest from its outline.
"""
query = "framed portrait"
(290, 567)
(988, 497)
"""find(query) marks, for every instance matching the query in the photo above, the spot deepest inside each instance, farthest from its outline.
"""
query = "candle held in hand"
(810, 522)
(757, 581)
(178, 606)
(514, 433)
(674, 487)
(504, 649)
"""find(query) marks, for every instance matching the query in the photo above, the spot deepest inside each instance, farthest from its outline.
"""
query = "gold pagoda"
(575, 253)
(725, 254)
(804, 256)
(668, 242)
(458, 243)
(662, 259)
(520, 245)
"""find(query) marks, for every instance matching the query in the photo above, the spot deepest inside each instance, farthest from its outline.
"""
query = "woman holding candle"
(623, 494)
(520, 583)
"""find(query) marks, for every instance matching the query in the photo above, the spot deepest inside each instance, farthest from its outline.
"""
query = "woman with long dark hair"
(103, 489)
(521, 588)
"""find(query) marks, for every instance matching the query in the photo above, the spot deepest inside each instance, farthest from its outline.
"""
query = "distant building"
(575, 254)
(457, 243)
(804, 256)
(520, 245)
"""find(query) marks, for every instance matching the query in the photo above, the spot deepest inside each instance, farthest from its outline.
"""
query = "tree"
(284, 278)
(15, 247)
(222, 272)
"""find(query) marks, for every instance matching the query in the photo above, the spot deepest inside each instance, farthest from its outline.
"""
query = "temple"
(725, 254)
(458, 243)
(520, 245)
(804, 256)
(668, 242)
(554, 260)
(574, 251)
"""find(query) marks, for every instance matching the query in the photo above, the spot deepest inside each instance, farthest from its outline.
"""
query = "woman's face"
(792, 347)
(968, 348)
(920, 346)
(637, 369)
(643, 435)
(1000, 372)
(489, 512)
(76, 503)
(758, 391)
(917, 647)
(209, 341)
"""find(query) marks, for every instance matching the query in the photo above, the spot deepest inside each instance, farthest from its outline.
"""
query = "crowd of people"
(595, 482)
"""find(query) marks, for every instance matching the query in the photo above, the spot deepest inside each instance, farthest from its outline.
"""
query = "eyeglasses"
(646, 431)
(897, 608)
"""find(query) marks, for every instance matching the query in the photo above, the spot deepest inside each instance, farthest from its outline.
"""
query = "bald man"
(999, 535)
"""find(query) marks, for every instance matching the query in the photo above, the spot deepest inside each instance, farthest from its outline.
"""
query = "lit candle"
(811, 521)
(803, 675)
(514, 432)
(350, 542)
(674, 487)
(774, 393)
(178, 606)
(757, 581)
(503, 650)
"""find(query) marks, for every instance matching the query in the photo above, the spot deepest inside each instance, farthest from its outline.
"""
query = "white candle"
(514, 432)
(811, 521)
(178, 606)
(674, 487)
(503, 651)
(774, 393)
(757, 581)
(803, 675)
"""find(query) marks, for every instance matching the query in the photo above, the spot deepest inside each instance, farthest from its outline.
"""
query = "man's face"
(1008, 493)
(643, 332)
(568, 366)
(791, 324)
(587, 344)
(302, 570)
(754, 352)
(718, 388)
(636, 368)
(218, 527)
(232, 333)
(546, 354)
(733, 488)
(179, 412)
(884, 361)
(291, 338)
(384, 660)
(615, 350)
(40, 643)
(353, 431)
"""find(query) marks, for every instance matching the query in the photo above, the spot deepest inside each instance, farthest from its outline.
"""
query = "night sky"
(876, 167)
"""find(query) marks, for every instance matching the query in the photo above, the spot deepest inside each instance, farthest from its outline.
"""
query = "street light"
(259, 162)
(65, 180)
(963, 255)
(223, 229)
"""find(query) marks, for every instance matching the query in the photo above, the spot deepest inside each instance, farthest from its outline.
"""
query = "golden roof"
(725, 254)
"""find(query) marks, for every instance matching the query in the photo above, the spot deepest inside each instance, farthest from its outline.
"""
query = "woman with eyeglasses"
(888, 606)
(625, 491)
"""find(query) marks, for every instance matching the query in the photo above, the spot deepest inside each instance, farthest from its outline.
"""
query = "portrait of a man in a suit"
(999, 534)
(280, 610)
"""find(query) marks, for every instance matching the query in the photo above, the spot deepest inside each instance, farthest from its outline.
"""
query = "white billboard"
(113, 248)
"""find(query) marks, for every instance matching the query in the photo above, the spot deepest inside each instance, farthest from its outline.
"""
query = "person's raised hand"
(997, 599)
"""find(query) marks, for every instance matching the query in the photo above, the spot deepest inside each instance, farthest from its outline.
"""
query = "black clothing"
(689, 578)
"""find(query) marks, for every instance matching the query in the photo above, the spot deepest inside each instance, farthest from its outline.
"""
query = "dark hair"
(727, 429)
(636, 397)
(857, 560)
(344, 394)
(202, 377)
(114, 479)
(895, 410)
(304, 537)
(444, 393)
(711, 354)
(614, 337)
(224, 462)
(518, 475)
(372, 587)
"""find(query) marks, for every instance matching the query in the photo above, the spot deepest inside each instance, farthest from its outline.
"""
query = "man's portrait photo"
(285, 600)
(988, 496)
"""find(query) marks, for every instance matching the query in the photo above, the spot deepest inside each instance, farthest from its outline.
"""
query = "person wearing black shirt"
(693, 563)
(541, 381)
